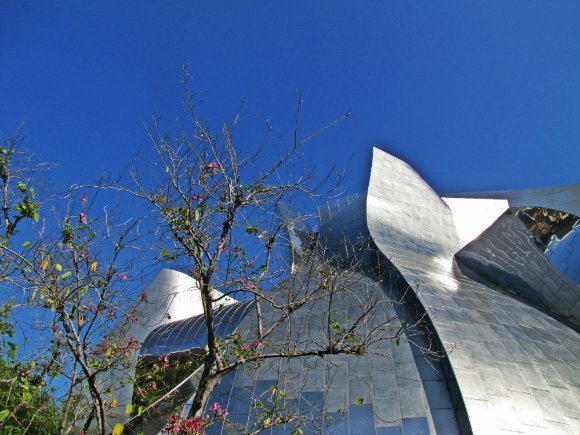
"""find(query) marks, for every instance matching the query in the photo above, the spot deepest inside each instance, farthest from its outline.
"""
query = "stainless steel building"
(490, 281)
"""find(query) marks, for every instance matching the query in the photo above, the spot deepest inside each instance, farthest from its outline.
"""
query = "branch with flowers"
(73, 275)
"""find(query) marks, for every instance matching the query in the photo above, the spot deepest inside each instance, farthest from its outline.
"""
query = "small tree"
(70, 277)
(25, 403)
(216, 211)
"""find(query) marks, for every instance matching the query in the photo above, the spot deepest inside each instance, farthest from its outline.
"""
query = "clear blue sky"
(475, 95)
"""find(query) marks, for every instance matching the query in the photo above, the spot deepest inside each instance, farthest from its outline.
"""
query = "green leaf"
(3, 414)
(26, 244)
(360, 401)
(66, 275)
(267, 421)
(398, 341)
(13, 349)
(58, 267)
(196, 215)
(130, 408)
(140, 410)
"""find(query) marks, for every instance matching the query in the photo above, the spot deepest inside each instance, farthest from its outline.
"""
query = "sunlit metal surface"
(478, 269)
(392, 390)
(516, 366)
(171, 296)
(191, 333)
(512, 259)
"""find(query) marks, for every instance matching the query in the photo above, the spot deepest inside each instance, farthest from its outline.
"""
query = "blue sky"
(474, 95)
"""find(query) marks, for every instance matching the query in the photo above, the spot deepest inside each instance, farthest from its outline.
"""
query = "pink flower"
(83, 218)
(185, 426)
(84, 199)
(197, 197)
(165, 360)
(133, 343)
(218, 410)
(258, 345)
(213, 166)
(122, 276)
(238, 250)
(56, 329)
(152, 385)
(84, 256)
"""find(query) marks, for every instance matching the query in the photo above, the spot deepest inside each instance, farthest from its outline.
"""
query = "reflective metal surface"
(171, 296)
(392, 390)
(192, 333)
(488, 276)
(516, 366)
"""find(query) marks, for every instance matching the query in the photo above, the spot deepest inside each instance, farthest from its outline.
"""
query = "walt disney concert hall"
(465, 308)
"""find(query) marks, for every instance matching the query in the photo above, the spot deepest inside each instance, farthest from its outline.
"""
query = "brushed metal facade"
(499, 299)
(516, 365)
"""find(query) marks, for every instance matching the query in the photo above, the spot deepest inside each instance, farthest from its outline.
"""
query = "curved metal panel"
(392, 389)
(509, 257)
(515, 365)
(191, 333)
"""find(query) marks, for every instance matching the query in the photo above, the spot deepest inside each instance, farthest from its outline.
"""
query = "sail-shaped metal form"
(490, 276)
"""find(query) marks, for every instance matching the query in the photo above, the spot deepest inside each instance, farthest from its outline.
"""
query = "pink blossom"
(84, 256)
(186, 426)
(133, 343)
(56, 329)
(84, 199)
(258, 345)
(238, 250)
(122, 276)
(152, 385)
(218, 410)
(197, 197)
(83, 218)
(165, 360)
(213, 166)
